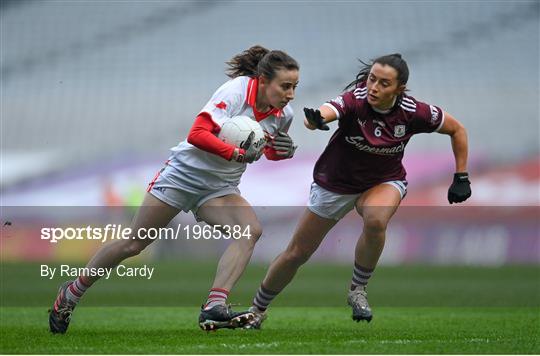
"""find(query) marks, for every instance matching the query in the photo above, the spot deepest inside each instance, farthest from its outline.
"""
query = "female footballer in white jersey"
(361, 169)
(202, 175)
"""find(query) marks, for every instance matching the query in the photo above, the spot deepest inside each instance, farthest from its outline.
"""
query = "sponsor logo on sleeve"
(434, 113)
(339, 101)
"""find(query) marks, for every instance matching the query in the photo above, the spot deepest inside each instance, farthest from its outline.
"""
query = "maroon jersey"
(368, 146)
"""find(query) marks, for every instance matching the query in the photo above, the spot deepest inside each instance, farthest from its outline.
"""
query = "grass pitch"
(158, 330)
(417, 309)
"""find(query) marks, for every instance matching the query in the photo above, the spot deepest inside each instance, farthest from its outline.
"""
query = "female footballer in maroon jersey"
(361, 168)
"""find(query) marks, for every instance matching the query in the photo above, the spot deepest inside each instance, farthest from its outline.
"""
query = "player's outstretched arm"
(460, 190)
(318, 119)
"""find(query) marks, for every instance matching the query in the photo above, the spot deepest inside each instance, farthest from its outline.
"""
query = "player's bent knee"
(133, 248)
(249, 239)
(255, 231)
(375, 224)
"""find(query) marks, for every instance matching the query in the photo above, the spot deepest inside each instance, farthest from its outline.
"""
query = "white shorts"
(186, 200)
(335, 206)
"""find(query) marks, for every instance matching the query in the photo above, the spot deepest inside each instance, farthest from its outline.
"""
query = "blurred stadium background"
(94, 94)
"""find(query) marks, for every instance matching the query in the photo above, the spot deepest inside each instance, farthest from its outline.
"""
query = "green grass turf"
(186, 283)
(418, 309)
(158, 330)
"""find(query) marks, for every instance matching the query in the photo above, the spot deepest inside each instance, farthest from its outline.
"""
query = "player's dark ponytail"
(394, 60)
(257, 61)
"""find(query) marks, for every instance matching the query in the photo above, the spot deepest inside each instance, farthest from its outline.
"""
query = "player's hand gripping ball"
(284, 145)
(246, 133)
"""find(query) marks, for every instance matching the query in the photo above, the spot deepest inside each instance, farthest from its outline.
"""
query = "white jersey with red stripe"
(196, 169)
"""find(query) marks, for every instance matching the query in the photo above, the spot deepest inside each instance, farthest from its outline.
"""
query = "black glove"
(253, 150)
(284, 145)
(460, 190)
(315, 119)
